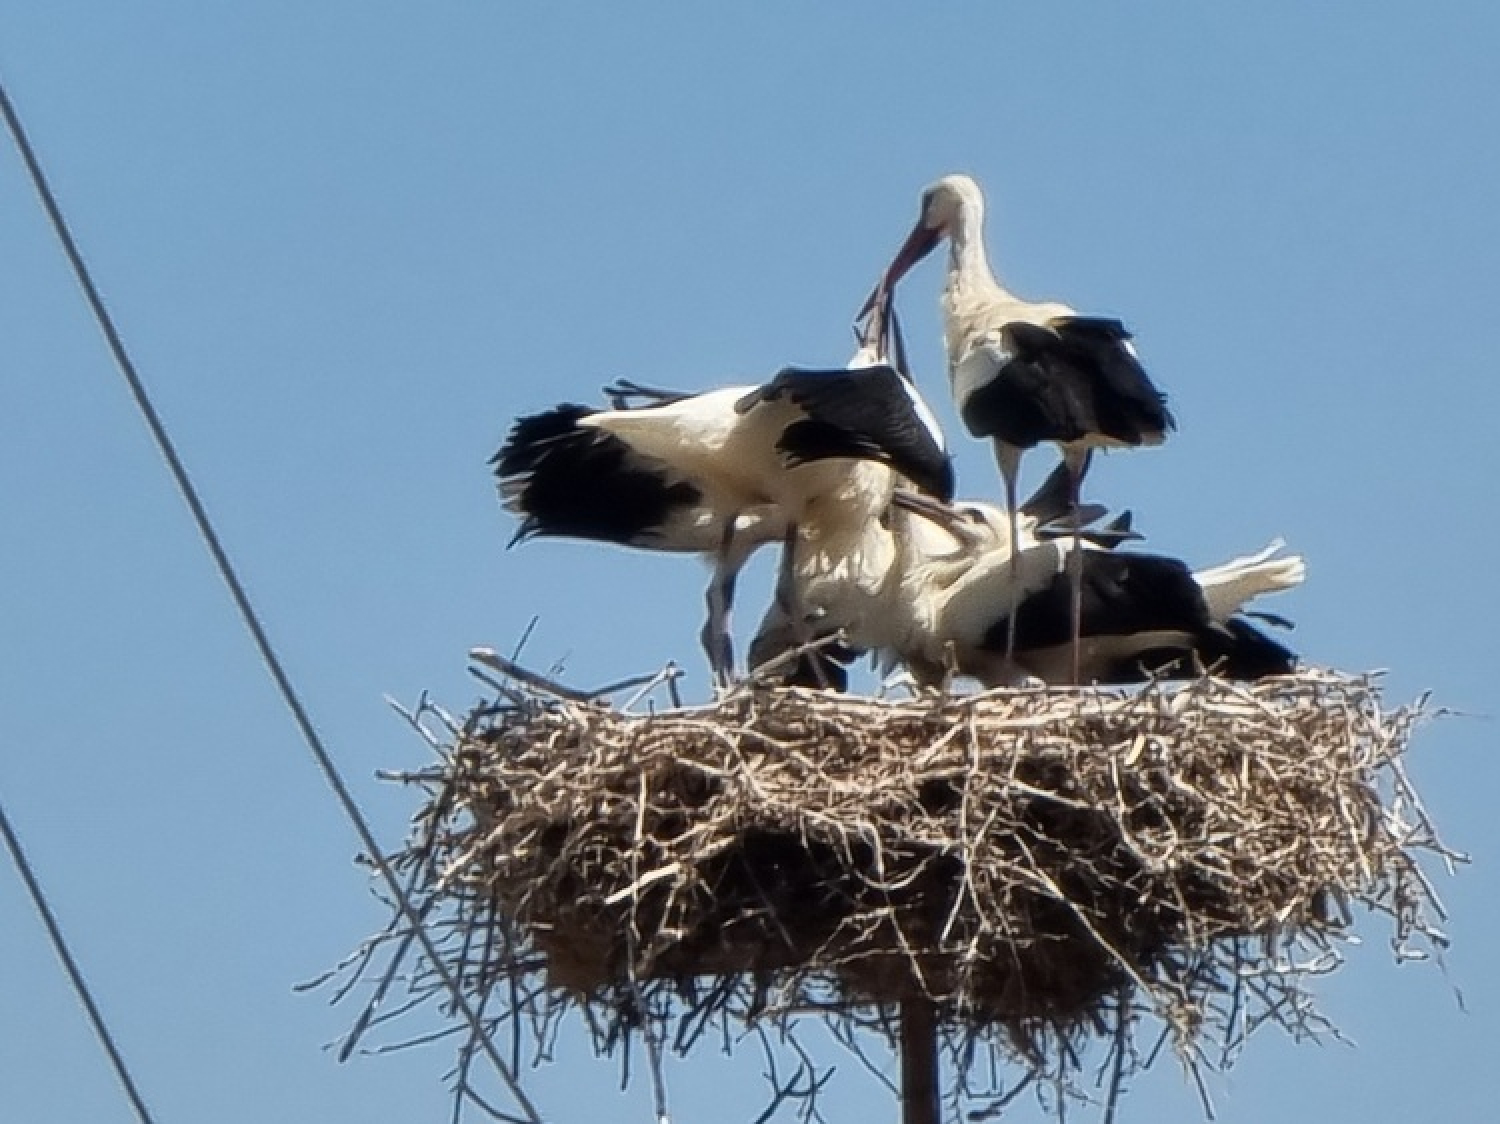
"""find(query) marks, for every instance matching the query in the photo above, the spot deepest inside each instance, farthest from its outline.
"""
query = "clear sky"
(349, 242)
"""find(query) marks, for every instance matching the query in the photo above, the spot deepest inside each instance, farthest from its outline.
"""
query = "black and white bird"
(878, 581)
(723, 472)
(944, 606)
(568, 477)
(1139, 614)
(1024, 373)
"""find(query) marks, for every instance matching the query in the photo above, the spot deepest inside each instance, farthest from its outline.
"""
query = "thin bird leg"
(1010, 465)
(790, 602)
(1076, 468)
(718, 644)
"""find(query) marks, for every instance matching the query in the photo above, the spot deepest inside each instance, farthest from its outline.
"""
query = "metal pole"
(919, 1062)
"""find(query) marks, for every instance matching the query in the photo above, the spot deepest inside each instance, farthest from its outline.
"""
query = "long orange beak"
(919, 243)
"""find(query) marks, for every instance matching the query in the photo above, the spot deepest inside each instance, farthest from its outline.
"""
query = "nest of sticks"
(1042, 865)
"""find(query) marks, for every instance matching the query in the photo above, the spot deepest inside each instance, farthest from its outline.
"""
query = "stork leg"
(718, 644)
(1009, 458)
(1078, 464)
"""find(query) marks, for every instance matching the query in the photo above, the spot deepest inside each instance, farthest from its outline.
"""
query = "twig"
(1055, 867)
(496, 662)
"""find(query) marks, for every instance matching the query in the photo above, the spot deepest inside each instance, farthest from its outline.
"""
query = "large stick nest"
(1031, 860)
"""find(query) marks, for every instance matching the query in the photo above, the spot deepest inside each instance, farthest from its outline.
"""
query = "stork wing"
(1129, 407)
(1050, 502)
(869, 413)
(1065, 380)
(568, 480)
(1123, 594)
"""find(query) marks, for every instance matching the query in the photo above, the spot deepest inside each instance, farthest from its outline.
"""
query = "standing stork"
(1026, 372)
(725, 471)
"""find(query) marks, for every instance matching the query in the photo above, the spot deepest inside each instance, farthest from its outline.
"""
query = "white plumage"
(807, 457)
(943, 605)
(1025, 372)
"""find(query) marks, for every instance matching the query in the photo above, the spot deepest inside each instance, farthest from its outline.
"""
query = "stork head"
(951, 201)
(990, 524)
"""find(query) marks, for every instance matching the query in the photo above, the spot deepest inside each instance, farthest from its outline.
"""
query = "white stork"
(1136, 613)
(1026, 372)
(723, 472)
(878, 580)
(944, 606)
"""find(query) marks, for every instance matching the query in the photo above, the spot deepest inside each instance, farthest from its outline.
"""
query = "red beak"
(919, 243)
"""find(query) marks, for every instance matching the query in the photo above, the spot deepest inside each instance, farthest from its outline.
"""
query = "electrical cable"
(241, 599)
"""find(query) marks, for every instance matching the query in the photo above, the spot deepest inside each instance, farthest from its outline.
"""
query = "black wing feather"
(1052, 501)
(573, 481)
(1242, 651)
(864, 412)
(1065, 381)
(1123, 594)
(1134, 406)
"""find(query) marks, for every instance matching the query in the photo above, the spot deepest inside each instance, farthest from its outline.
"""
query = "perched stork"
(944, 606)
(721, 473)
(878, 580)
(1138, 614)
(1026, 372)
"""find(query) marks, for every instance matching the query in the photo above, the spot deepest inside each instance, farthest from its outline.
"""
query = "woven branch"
(1047, 865)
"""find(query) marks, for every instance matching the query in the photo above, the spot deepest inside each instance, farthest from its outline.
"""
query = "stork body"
(1137, 613)
(808, 454)
(573, 472)
(869, 429)
(1025, 373)
(944, 608)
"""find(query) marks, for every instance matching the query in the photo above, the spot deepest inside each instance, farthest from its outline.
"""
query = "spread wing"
(869, 413)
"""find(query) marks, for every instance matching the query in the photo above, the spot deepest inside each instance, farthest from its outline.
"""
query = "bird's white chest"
(975, 318)
(837, 492)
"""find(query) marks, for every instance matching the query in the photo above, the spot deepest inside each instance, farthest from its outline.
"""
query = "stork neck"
(969, 268)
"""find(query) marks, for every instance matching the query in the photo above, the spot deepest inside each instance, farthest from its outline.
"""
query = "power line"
(70, 965)
(241, 599)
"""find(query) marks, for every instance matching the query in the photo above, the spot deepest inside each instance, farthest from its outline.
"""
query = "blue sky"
(348, 242)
